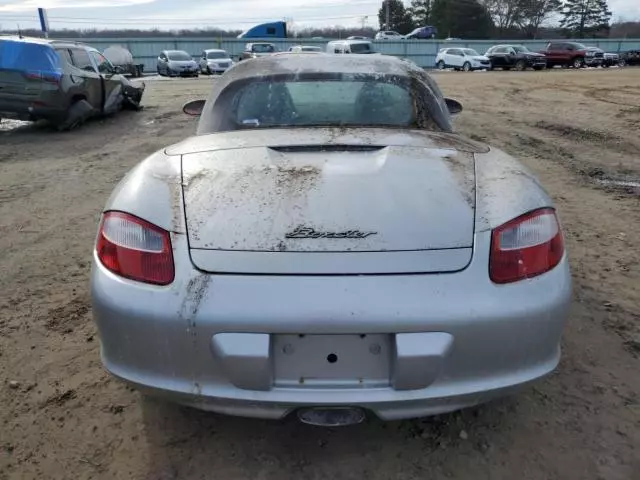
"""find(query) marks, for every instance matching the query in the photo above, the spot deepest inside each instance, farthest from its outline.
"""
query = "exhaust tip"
(331, 416)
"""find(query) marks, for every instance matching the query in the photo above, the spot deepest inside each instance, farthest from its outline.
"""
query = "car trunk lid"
(319, 209)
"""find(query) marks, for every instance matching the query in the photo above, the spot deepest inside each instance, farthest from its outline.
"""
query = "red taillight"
(526, 246)
(48, 77)
(135, 249)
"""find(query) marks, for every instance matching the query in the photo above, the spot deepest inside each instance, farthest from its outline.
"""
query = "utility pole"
(386, 26)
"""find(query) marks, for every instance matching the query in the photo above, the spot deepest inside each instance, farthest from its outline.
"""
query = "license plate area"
(332, 361)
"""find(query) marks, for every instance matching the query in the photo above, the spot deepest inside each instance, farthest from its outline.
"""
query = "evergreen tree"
(584, 16)
(461, 18)
(399, 18)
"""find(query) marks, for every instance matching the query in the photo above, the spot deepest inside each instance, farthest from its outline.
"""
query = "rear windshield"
(361, 48)
(179, 56)
(311, 49)
(213, 55)
(321, 103)
(27, 56)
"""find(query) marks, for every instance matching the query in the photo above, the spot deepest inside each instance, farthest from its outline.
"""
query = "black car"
(517, 57)
(632, 57)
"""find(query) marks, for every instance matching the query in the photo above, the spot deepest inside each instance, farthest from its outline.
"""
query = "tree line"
(499, 18)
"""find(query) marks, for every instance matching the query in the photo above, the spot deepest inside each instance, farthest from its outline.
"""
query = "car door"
(510, 57)
(498, 56)
(111, 83)
(456, 58)
(85, 77)
(553, 52)
(447, 57)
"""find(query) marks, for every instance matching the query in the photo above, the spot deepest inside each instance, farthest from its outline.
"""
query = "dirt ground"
(62, 416)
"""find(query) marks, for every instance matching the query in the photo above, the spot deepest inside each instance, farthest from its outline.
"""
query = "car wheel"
(520, 66)
(466, 67)
(578, 62)
(440, 65)
(209, 71)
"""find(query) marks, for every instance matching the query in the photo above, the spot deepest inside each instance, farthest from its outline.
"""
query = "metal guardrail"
(422, 52)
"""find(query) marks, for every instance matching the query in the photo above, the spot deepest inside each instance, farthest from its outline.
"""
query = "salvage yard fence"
(422, 52)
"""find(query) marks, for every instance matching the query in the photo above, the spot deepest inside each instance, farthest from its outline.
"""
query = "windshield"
(361, 48)
(580, 46)
(214, 55)
(263, 48)
(520, 49)
(342, 101)
(470, 52)
(179, 56)
(27, 56)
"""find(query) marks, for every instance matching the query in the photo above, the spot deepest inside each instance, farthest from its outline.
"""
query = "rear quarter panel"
(505, 189)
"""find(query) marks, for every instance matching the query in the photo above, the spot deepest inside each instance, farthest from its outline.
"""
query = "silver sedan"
(327, 245)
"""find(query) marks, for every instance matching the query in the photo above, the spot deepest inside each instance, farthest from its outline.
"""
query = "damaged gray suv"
(63, 82)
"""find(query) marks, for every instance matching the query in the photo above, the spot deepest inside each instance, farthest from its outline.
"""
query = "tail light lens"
(526, 246)
(132, 248)
(48, 77)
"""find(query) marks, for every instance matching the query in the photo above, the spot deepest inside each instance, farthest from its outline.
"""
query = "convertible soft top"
(305, 65)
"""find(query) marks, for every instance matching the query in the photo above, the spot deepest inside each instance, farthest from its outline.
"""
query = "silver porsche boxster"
(326, 245)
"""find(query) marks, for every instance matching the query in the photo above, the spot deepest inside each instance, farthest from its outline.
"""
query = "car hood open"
(321, 208)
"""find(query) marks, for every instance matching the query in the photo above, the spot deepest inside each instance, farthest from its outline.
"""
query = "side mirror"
(194, 107)
(118, 70)
(454, 106)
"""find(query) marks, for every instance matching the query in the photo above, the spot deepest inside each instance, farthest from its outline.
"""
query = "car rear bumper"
(29, 109)
(163, 340)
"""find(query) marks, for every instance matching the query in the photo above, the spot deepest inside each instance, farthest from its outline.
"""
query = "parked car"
(60, 81)
(517, 57)
(305, 49)
(388, 35)
(255, 50)
(631, 57)
(327, 246)
(466, 59)
(214, 61)
(177, 63)
(612, 60)
(350, 46)
(572, 54)
(422, 33)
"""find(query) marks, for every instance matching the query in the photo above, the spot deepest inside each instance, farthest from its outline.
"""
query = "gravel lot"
(62, 416)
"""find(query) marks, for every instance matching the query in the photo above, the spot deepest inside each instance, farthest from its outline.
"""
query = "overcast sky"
(236, 14)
